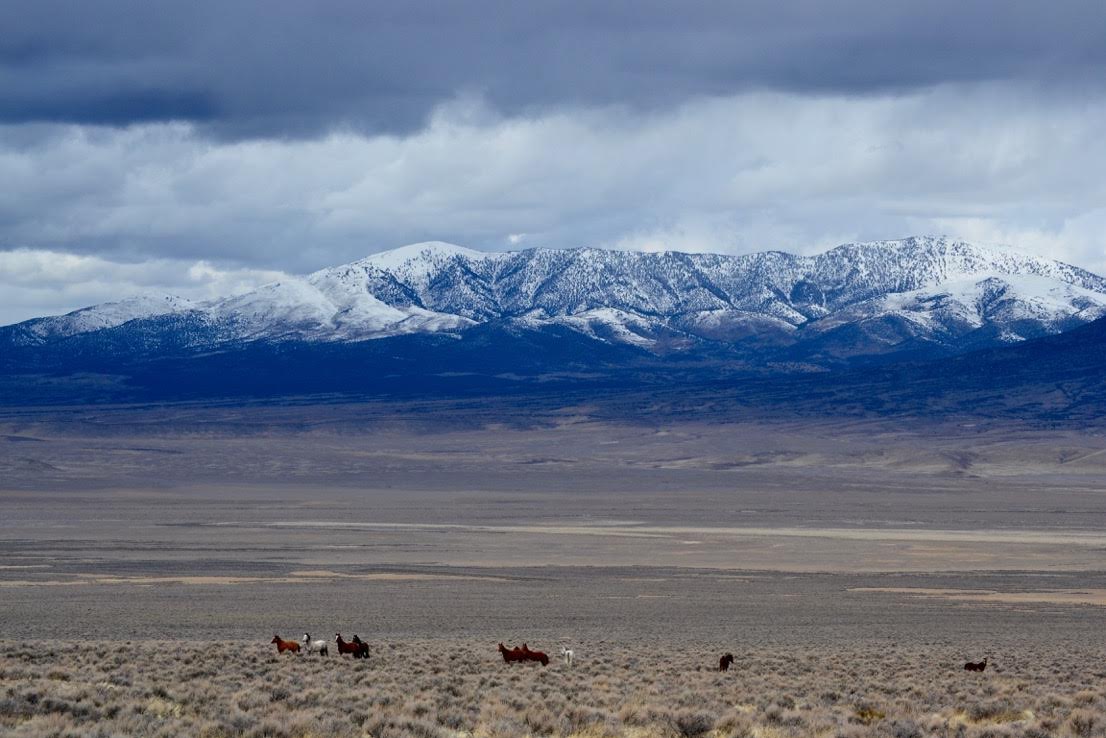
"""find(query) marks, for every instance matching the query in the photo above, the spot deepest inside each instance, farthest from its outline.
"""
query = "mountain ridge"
(857, 302)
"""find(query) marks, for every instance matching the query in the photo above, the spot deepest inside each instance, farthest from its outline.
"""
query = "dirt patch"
(292, 578)
(1095, 597)
(391, 576)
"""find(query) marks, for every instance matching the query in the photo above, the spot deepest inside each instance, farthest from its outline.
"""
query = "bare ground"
(851, 568)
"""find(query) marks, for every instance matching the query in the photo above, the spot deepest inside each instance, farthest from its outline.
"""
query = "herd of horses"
(356, 648)
(360, 650)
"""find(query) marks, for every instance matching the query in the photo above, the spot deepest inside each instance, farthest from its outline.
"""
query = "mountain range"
(918, 297)
(434, 315)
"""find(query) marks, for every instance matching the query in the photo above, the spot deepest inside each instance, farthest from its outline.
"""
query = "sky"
(203, 148)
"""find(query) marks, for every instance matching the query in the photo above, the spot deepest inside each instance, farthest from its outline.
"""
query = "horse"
(567, 655)
(354, 649)
(724, 662)
(364, 646)
(283, 646)
(317, 645)
(510, 655)
(975, 666)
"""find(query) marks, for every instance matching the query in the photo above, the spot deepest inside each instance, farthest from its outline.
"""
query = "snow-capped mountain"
(914, 296)
(95, 318)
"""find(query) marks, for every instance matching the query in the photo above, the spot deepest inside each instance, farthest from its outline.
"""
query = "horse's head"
(307, 637)
(276, 639)
(502, 648)
(337, 637)
(563, 650)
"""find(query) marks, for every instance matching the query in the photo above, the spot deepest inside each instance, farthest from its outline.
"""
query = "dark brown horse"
(975, 665)
(724, 662)
(511, 655)
(357, 650)
(283, 645)
(364, 646)
(539, 656)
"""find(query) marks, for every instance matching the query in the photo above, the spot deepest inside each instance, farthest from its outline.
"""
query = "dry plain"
(148, 555)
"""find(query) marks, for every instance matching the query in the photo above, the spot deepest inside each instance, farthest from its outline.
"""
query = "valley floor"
(148, 557)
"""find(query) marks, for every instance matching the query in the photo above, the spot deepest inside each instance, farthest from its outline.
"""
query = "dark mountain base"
(1057, 380)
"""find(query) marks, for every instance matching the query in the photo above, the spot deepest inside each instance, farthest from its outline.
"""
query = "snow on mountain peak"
(933, 290)
(104, 315)
(427, 251)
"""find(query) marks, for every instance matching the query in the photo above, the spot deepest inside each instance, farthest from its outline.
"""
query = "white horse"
(567, 655)
(315, 645)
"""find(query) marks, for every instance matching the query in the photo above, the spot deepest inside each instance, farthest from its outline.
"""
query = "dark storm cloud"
(279, 68)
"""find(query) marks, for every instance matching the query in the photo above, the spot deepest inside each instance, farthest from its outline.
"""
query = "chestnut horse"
(975, 666)
(724, 662)
(511, 655)
(283, 646)
(357, 650)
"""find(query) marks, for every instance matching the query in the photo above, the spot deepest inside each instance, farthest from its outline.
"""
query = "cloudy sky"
(203, 147)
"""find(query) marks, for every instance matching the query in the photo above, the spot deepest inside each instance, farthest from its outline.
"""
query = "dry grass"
(178, 688)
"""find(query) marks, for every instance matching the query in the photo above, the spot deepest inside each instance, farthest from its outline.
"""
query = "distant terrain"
(1054, 381)
(882, 329)
(373, 514)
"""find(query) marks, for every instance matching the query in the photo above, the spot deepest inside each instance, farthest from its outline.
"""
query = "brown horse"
(357, 650)
(511, 655)
(283, 646)
(975, 666)
(364, 646)
(724, 662)
(538, 656)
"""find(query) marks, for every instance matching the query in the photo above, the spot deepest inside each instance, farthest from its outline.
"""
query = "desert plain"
(148, 555)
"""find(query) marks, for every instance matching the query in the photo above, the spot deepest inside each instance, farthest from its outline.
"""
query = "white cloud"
(36, 282)
(1079, 239)
(735, 174)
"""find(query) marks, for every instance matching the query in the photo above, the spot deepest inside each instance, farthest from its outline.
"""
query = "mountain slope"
(38, 331)
(496, 373)
(915, 298)
(1054, 380)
